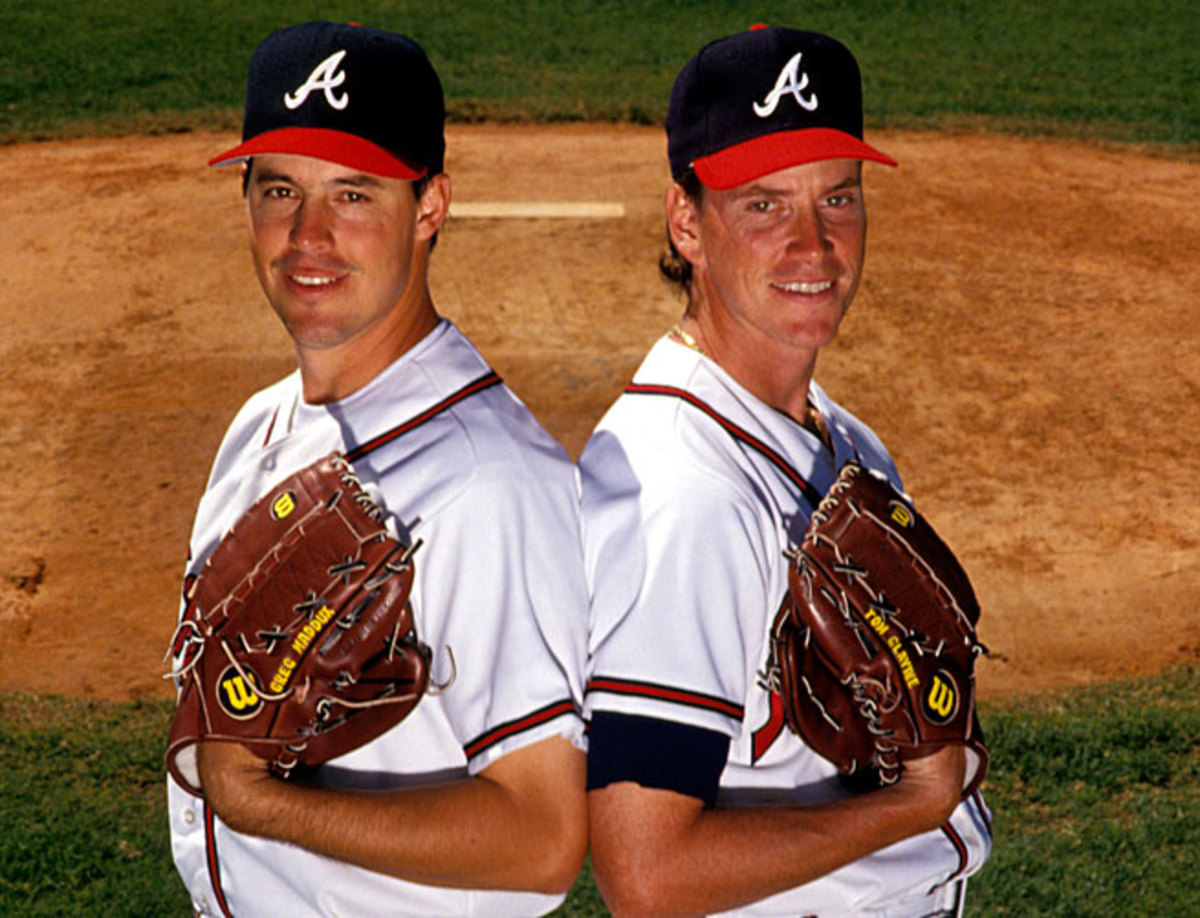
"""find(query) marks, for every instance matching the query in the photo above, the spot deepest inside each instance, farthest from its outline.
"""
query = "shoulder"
(492, 427)
(668, 430)
(253, 425)
(658, 462)
(459, 430)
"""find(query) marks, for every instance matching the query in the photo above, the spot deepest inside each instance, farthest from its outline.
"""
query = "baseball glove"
(874, 651)
(298, 640)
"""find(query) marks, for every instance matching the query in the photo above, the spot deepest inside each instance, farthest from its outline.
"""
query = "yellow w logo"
(940, 700)
(237, 696)
(284, 504)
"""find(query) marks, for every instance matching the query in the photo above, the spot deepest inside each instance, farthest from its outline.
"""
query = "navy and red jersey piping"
(638, 689)
(960, 846)
(486, 381)
(740, 434)
(955, 839)
(977, 799)
(494, 735)
(214, 864)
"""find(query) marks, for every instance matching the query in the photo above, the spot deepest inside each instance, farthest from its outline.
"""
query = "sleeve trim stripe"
(666, 693)
(520, 725)
(214, 862)
(961, 847)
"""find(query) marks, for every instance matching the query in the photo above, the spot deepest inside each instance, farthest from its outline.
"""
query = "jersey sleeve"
(505, 606)
(678, 565)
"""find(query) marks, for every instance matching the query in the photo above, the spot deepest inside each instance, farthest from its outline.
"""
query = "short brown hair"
(674, 268)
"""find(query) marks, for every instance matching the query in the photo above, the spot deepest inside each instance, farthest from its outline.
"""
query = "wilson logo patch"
(940, 701)
(283, 505)
(901, 515)
(237, 698)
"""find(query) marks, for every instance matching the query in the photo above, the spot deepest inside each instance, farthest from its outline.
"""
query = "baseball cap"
(763, 100)
(360, 97)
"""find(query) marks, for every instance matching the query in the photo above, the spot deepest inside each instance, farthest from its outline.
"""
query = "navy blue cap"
(364, 98)
(763, 100)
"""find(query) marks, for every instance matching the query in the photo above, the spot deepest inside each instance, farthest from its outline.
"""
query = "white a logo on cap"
(326, 77)
(789, 82)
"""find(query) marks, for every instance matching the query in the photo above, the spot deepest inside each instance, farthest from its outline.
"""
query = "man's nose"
(806, 234)
(313, 225)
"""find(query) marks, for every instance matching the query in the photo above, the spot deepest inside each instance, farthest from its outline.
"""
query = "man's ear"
(683, 224)
(433, 206)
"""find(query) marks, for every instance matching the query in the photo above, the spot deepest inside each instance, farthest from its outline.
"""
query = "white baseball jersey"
(692, 490)
(499, 596)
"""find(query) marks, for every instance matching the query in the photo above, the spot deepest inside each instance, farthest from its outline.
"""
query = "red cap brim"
(321, 143)
(761, 156)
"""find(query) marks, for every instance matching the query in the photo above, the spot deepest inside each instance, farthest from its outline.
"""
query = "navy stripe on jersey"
(520, 725)
(811, 494)
(214, 865)
(689, 699)
(486, 381)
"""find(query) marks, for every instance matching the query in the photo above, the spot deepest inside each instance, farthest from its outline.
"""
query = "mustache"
(292, 264)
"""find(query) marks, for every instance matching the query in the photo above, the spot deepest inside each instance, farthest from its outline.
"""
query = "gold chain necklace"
(686, 339)
(814, 421)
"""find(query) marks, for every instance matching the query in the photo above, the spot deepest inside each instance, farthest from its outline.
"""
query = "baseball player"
(474, 804)
(695, 483)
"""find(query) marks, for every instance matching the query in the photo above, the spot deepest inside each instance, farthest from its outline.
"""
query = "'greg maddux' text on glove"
(299, 640)
(874, 652)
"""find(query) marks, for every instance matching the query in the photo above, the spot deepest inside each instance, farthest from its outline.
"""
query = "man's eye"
(760, 206)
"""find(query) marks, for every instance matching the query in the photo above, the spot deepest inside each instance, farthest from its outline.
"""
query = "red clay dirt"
(1025, 340)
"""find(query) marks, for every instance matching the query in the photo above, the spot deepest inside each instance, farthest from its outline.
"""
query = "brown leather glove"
(298, 640)
(874, 652)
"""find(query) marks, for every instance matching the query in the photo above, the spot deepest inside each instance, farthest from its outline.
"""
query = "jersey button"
(188, 816)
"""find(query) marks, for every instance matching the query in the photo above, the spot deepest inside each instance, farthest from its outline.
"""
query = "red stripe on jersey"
(765, 736)
(811, 494)
(214, 864)
(666, 693)
(520, 725)
(961, 846)
(486, 381)
(270, 429)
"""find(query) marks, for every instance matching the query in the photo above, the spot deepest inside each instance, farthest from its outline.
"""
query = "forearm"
(782, 849)
(658, 853)
(497, 830)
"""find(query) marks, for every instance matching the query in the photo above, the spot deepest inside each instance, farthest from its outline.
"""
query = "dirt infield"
(1025, 340)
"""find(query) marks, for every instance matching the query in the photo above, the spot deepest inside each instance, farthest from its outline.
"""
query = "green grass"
(1094, 796)
(83, 804)
(1094, 792)
(1123, 70)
